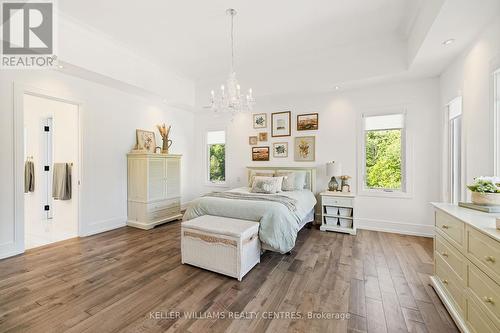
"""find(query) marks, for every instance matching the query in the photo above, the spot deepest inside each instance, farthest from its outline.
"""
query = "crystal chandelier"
(230, 98)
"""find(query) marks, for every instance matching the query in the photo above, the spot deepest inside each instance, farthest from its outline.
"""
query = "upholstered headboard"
(310, 174)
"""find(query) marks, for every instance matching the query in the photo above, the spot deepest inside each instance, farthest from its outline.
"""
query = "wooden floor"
(129, 280)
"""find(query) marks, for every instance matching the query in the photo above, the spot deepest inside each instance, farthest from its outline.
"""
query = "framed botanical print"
(305, 149)
(263, 136)
(307, 122)
(281, 124)
(260, 153)
(259, 120)
(252, 140)
(280, 149)
(145, 140)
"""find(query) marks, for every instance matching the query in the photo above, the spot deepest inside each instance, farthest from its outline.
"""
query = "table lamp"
(333, 170)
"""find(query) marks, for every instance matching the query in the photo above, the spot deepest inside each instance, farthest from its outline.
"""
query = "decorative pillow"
(288, 180)
(254, 173)
(300, 178)
(268, 185)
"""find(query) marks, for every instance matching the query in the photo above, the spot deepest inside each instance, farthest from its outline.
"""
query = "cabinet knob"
(445, 226)
(445, 281)
(488, 300)
(490, 259)
(444, 254)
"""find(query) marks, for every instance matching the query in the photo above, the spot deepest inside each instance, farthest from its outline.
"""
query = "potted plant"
(485, 191)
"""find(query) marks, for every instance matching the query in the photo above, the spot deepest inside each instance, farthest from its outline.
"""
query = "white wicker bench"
(220, 244)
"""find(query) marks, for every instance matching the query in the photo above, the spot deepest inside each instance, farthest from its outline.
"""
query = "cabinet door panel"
(157, 186)
(174, 178)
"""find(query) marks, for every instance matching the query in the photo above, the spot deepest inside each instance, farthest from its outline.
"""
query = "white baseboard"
(395, 227)
(391, 226)
(103, 226)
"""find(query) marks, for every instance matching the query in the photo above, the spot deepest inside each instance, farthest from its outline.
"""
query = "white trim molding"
(103, 226)
(496, 120)
(407, 158)
(403, 228)
(19, 90)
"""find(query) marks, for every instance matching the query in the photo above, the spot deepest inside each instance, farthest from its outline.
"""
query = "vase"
(333, 185)
(485, 199)
(166, 144)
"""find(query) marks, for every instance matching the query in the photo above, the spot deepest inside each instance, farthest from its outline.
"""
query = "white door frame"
(19, 91)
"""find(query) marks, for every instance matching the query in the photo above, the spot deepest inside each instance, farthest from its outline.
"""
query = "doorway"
(51, 133)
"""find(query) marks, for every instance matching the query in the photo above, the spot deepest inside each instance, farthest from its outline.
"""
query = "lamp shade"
(333, 169)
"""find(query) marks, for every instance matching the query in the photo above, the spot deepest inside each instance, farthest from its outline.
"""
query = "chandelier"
(230, 98)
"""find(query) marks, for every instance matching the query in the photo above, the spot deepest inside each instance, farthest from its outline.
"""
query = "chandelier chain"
(232, 43)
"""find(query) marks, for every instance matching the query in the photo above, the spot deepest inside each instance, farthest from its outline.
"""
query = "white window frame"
(406, 157)
(206, 148)
(496, 121)
(449, 147)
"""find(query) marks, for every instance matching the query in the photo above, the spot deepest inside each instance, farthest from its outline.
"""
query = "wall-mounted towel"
(29, 176)
(61, 184)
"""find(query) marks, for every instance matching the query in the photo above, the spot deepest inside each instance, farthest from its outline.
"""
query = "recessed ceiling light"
(337, 87)
(448, 41)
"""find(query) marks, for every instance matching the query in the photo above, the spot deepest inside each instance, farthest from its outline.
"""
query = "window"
(216, 153)
(455, 150)
(497, 121)
(384, 153)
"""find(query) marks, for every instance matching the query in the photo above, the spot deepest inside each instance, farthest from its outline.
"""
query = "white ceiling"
(284, 45)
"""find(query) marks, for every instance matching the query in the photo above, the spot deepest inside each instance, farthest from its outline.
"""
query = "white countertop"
(484, 222)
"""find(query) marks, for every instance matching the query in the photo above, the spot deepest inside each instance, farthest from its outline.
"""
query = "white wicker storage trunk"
(220, 244)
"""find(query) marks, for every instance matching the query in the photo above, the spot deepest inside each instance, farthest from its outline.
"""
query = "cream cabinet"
(467, 266)
(154, 186)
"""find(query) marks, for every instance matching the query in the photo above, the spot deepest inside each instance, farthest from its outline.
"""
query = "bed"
(280, 221)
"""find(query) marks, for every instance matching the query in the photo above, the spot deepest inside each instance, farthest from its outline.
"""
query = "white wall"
(63, 224)
(470, 76)
(336, 139)
(109, 120)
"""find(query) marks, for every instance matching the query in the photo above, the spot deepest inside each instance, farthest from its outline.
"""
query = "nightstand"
(337, 212)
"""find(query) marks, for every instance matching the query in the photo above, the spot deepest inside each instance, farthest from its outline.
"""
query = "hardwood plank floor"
(130, 280)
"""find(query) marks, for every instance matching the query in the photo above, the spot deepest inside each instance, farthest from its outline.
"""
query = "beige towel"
(29, 177)
(61, 183)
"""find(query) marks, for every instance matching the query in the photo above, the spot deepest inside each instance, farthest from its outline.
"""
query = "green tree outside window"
(217, 162)
(383, 159)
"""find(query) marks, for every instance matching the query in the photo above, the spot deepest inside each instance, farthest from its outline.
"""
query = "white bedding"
(278, 224)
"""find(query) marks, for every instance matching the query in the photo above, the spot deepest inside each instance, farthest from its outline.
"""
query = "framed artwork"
(260, 153)
(280, 149)
(259, 120)
(145, 140)
(304, 149)
(263, 136)
(307, 122)
(252, 140)
(281, 124)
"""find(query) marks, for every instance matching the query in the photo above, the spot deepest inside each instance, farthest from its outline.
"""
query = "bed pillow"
(268, 185)
(288, 180)
(254, 173)
(300, 178)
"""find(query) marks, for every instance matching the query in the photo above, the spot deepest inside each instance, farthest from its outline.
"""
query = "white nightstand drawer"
(335, 201)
